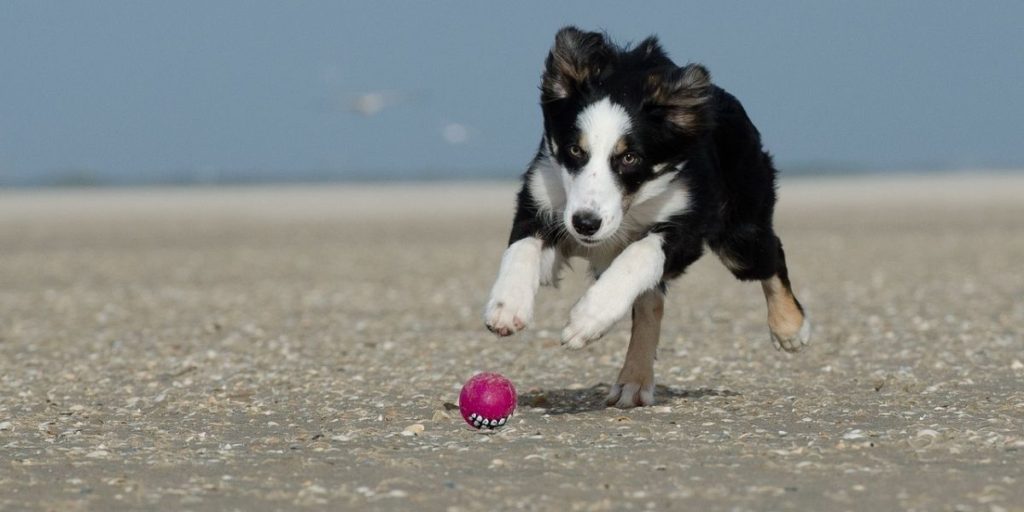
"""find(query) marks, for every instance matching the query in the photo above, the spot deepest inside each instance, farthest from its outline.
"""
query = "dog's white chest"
(599, 258)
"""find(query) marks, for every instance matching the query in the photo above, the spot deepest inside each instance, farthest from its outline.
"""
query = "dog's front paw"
(589, 320)
(509, 310)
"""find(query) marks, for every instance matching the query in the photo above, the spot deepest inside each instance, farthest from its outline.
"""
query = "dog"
(641, 165)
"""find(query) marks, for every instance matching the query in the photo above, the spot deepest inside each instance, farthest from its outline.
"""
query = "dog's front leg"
(510, 307)
(639, 268)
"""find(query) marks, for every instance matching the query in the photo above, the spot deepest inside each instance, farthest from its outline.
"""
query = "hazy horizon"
(145, 92)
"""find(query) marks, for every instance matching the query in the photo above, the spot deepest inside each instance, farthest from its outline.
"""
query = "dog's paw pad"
(500, 331)
(630, 394)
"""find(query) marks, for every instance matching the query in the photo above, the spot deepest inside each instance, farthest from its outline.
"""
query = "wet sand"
(274, 348)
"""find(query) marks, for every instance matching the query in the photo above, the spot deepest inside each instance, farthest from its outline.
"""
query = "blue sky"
(141, 90)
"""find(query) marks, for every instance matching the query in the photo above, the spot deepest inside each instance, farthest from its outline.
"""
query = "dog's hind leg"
(790, 328)
(754, 253)
(635, 385)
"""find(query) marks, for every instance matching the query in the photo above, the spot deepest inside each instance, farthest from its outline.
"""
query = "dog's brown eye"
(630, 158)
(575, 151)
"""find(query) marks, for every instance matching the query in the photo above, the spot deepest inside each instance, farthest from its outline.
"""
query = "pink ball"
(487, 400)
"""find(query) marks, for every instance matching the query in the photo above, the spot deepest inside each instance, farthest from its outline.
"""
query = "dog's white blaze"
(603, 123)
(594, 188)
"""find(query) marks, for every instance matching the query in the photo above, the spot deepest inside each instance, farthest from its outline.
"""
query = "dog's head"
(617, 121)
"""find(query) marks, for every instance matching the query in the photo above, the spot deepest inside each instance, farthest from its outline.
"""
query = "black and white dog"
(642, 163)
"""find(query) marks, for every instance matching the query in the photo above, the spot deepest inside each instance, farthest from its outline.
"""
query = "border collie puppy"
(642, 164)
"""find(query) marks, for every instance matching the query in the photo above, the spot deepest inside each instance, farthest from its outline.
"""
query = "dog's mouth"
(588, 241)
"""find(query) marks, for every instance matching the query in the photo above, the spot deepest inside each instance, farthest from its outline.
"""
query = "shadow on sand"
(573, 401)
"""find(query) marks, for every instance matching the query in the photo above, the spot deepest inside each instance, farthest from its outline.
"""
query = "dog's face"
(617, 122)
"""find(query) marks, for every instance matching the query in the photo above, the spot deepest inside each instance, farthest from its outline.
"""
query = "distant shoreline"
(84, 180)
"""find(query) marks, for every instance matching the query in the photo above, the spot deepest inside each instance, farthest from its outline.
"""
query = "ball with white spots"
(487, 400)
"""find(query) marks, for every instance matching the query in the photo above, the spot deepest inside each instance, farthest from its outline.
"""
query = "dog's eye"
(575, 151)
(630, 159)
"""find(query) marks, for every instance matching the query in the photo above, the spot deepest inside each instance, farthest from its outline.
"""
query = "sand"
(275, 348)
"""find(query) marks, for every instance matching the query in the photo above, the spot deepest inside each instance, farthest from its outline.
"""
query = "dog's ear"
(575, 58)
(683, 96)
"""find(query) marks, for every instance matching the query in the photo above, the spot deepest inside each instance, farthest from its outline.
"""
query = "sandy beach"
(275, 348)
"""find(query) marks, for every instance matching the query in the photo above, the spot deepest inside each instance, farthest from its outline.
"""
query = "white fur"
(657, 201)
(638, 269)
(630, 394)
(510, 308)
(551, 263)
(594, 187)
(653, 188)
(661, 167)
(545, 185)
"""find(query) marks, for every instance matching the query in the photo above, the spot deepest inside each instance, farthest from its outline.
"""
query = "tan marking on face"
(620, 147)
(784, 316)
(584, 143)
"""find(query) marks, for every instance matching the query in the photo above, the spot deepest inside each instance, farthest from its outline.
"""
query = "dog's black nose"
(586, 223)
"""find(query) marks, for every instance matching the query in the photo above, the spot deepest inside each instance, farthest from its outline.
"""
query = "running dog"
(642, 164)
